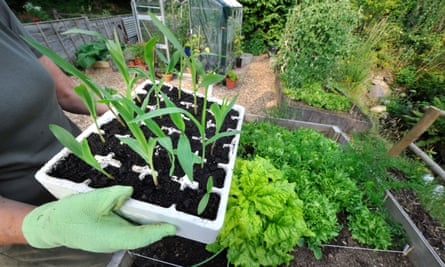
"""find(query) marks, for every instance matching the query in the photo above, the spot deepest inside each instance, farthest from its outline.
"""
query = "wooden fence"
(49, 33)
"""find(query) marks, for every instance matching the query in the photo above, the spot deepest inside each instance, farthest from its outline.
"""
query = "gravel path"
(256, 90)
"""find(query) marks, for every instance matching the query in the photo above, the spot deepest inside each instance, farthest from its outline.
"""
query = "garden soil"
(257, 91)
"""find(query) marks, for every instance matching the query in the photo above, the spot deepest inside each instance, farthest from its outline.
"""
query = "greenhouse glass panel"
(214, 25)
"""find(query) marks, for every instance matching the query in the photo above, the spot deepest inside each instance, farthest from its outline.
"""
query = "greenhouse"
(208, 26)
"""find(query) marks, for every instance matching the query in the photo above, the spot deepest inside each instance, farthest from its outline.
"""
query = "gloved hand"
(86, 221)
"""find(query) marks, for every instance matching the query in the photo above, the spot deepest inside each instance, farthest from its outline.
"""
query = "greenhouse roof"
(231, 3)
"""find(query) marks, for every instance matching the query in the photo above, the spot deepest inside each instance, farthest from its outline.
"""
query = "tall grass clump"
(355, 69)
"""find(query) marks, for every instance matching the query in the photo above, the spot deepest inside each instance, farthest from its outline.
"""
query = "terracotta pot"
(139, 61)
(230, 84)
(168, 77)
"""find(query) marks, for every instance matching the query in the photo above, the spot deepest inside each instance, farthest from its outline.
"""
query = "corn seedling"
(80, 149)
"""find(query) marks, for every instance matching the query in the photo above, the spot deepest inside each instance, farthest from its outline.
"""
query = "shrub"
(317, 36)
(263, 23)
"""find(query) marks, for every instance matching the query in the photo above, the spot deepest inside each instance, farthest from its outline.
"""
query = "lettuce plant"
(331, 180)
(264, 219)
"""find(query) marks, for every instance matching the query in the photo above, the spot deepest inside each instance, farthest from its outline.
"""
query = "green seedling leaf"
(186, 157)
(166, 31)
(158, 113)
(149, 58)
(210, 79)
(220, 135)
(203, 203)
(90, 102)
(166, 143)
(205, 199)
(175, 117)
(81, 150)
(66, 66)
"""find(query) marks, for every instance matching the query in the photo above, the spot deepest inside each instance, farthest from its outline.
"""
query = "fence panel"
(49, 33)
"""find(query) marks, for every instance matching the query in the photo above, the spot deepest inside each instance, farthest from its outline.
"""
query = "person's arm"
(66, 96)
(12, 214)
(84, 221)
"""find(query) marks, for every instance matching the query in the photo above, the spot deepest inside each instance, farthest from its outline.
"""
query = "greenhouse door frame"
(140, 18)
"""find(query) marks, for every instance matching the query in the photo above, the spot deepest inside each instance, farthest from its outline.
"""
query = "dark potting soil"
(177, 251)
(167, 192)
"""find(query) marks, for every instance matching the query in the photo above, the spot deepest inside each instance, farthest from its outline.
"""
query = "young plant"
(145, 149)
(81, 150)
(205, 199)
(185, 156)
(101, 93)
(232, 75)
(90, 101)
(117, 56)
(220, 113)
(191, 61)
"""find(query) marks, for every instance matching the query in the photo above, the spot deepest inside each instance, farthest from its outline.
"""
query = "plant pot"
(168, 77)
(230, 84)
(238, 62)
(188, 225)
(101, 64)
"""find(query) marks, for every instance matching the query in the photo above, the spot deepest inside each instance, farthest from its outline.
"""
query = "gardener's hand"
(87, 221)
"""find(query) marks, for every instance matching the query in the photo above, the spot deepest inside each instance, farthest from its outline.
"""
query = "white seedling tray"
(188, 226)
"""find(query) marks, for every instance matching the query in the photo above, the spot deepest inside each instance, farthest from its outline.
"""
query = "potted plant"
(90, 53)
(134, 54)
(167, 68)
(231, 79)
(162, 140)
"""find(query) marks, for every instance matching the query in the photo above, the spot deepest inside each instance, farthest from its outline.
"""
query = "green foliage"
(232, 75)
(332, 179)
(314, 95)
(406, 76)
(33, 13)
(205, 199)
(355, 69)
(255, 44)
(264, 218)
(377, 10)
(263, 23)
(434, 202)
(316, 38)
(87, 54)
(80, 149)
(369, 228)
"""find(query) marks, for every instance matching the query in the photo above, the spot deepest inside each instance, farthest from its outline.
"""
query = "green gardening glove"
(86, 221)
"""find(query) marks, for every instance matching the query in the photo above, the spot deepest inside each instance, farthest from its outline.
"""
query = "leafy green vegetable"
(331, 180)
(264, 219)
(87, 54)
(314, 95)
